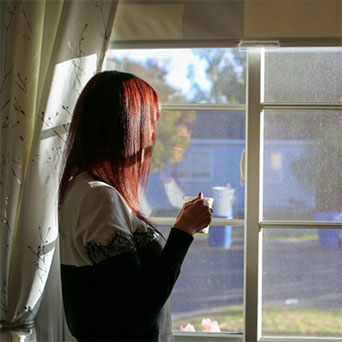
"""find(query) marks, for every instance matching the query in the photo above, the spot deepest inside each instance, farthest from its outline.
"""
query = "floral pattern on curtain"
(49, 50)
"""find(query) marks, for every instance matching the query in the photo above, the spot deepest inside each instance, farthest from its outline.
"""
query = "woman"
(117, 270)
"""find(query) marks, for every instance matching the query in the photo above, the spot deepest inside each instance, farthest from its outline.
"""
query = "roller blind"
(211, 22)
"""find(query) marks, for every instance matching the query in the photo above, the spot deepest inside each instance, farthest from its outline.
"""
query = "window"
(301, 290)
(201, 135)
(302, 120)
(273, 166)
(280, 260)
(195, 166)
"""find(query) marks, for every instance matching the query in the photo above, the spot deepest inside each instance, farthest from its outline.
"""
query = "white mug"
(210, 201)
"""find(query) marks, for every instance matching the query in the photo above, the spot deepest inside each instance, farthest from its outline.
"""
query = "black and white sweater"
(117, 272)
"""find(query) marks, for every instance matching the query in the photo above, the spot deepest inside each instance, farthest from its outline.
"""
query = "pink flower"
(206, 324)
(188, 327)
(215, 327)
(210, 326)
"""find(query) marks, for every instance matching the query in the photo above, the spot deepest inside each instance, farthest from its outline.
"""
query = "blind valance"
(227, 23)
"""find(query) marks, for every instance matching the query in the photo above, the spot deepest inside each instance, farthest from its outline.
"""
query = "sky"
(177, 62)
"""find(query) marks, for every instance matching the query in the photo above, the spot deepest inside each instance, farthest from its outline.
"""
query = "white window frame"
(252, 298)
(253, 223)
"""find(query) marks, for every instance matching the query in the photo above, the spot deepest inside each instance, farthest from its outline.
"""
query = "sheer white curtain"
(49, 50)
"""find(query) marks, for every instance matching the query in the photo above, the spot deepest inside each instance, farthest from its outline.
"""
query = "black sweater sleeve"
(148, 283)
(127, 291)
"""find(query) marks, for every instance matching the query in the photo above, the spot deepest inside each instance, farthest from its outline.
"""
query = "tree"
(226, 71)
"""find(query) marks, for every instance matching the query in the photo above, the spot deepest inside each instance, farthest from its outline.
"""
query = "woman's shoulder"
(84, 187)
(93, 214)
(88, 198)
(85, 182)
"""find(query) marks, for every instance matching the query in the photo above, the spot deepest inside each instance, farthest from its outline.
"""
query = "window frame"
(253, 222)
(169, 221)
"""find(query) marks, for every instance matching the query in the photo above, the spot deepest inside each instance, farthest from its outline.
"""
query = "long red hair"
(112, 133)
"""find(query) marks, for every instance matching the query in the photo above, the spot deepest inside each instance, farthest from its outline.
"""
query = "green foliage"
(226, 71)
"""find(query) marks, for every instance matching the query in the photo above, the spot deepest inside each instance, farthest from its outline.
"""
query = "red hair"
(112, 133)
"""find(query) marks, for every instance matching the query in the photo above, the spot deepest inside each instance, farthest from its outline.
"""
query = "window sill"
(220, 337)
(205, 337)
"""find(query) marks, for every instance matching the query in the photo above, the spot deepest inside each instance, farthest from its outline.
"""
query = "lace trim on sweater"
(118, 244)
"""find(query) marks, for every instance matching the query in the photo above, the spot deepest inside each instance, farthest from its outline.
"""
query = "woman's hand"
(194, 216)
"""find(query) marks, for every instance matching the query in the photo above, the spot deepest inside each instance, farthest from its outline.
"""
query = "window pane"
(303, 75)
(187, 75)
(197, 151)
(302, 165)
(302, 282)
(210, 285)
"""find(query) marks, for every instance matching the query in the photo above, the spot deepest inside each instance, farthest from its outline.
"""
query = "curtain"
(49, 50)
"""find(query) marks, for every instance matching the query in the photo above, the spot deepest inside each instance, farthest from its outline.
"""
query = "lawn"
(308, 322)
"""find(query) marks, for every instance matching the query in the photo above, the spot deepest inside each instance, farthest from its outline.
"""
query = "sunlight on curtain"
(49, 50)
